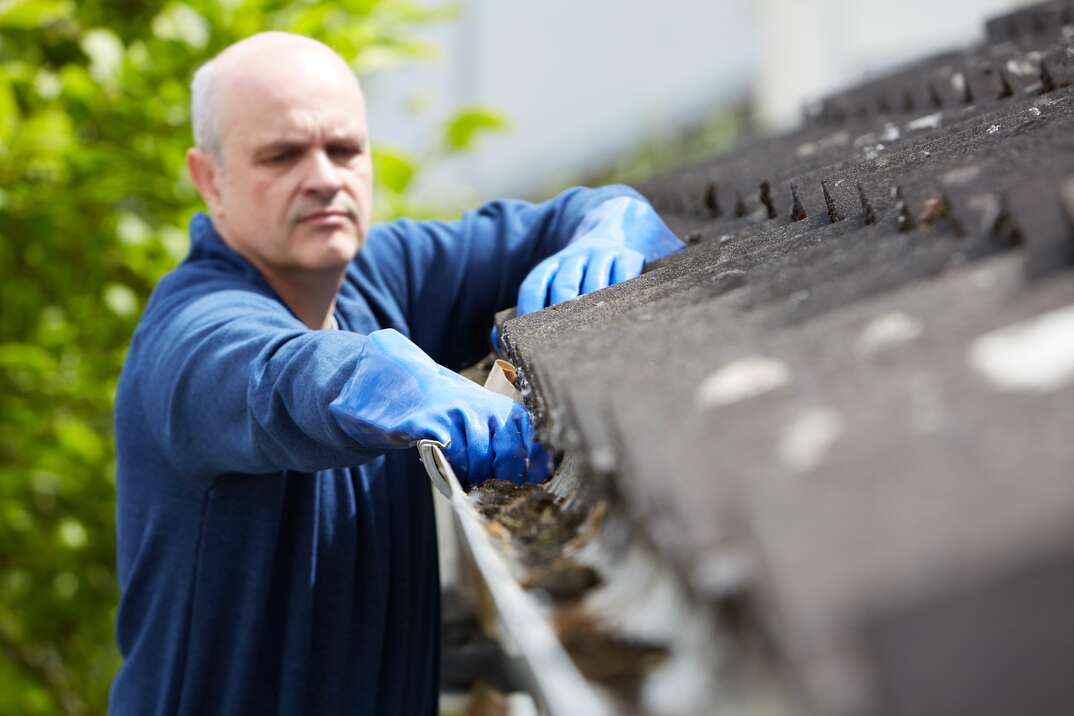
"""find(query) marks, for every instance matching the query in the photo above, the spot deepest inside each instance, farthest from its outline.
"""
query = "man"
(276, 543)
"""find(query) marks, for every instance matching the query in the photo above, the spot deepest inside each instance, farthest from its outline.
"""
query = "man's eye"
(345, 151)
(282, 157)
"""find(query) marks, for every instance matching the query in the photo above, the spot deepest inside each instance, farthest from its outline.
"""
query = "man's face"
(295, 181)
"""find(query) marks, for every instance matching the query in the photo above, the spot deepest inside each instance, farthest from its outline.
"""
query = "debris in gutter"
(528, 517)
(602, 655)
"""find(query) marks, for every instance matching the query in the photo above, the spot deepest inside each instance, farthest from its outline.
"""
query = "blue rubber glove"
(399, 395)
(611, 244)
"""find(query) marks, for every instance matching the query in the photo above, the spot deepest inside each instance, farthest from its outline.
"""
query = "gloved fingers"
(539, 462)
(457, 455)
(533, 293)
(628, 264)
(598, 272)
(471, 457)
(519, 457)
(510, 452)
(458, 458)
(568, 280)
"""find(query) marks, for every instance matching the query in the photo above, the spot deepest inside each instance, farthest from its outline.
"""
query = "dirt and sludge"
(529, 517)
(617, 662)
(544, 536)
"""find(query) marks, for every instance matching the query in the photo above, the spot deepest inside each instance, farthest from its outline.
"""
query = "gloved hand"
(611, 244)
(399, 395)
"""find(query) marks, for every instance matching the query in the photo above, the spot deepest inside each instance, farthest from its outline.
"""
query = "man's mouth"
(325, 215)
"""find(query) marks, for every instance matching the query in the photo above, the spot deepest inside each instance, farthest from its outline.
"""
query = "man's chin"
(333, 252)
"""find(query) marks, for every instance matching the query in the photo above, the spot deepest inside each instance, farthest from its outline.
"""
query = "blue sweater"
(268, 563)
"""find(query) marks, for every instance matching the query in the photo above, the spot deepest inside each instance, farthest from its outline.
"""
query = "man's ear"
(204, 173)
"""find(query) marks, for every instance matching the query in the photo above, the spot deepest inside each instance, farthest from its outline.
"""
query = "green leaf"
(24, 356)
(9, 111)
(46, 133)
(394, 169)
(32, 14)
(462, 130)
(78, 85)
(14, 515)
(79, 438)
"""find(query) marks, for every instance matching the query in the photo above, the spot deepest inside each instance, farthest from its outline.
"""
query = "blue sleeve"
(232, 382)
(450, 278)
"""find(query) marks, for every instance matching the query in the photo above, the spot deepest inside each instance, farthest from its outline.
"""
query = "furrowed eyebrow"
(278, 147)
(300, 146)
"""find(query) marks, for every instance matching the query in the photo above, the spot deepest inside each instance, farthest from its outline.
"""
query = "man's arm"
(231, 382)
(450, 278)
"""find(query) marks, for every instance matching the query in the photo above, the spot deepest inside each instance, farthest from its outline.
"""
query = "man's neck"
(310, 294)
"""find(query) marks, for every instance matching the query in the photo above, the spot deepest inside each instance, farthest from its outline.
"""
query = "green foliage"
(397, 171)
(94, 202)
(468, 124)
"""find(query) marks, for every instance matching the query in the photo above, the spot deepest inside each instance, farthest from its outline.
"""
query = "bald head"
(283, 157)
(263, 63)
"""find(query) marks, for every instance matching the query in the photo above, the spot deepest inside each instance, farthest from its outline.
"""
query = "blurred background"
(468, 101)
(612, 88)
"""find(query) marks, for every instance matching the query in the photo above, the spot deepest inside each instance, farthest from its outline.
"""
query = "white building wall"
(814, 47)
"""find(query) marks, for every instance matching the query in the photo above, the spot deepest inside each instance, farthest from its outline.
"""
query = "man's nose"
(322, 175)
